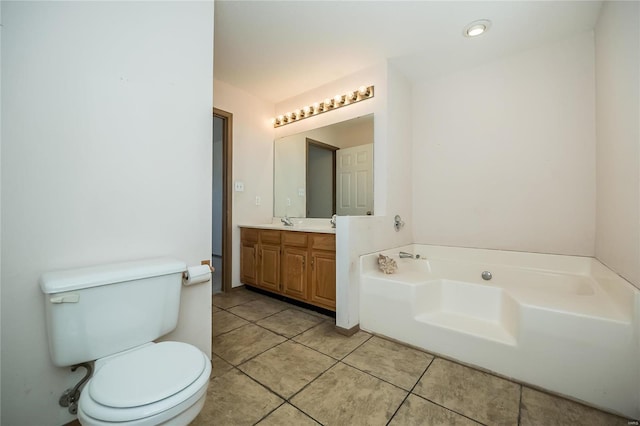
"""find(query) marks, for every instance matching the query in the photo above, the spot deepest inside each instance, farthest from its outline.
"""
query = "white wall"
(618, 138)
(106, 141)
(252, 161)
(504, 153)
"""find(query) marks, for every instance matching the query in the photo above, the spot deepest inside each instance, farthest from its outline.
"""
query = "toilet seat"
(153, 382)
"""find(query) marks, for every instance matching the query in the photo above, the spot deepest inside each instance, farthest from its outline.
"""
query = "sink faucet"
(333, 221)
(287, 221)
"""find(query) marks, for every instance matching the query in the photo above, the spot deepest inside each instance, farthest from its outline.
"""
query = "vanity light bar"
(329, 104)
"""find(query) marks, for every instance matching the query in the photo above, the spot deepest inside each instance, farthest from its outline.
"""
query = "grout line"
(411, 390)
(435, 403)
(520, 405)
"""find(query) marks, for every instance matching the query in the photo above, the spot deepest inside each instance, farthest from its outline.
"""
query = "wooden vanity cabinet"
(269, 260)
(323, 270)
(260, 258)
(249, 256)
(295, 258)
(299, 265)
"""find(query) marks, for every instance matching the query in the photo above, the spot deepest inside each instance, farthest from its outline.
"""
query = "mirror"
(325, 171)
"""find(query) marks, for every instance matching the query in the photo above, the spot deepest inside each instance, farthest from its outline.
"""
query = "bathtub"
(567, 324)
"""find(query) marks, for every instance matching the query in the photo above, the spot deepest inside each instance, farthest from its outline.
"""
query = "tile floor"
(278, 364)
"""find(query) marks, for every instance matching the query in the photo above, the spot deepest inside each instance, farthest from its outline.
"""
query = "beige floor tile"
(233, 298)
(539, 408)
(287, 368)
(219, 366)
(224, 321)
(326, 339)
(234, 399)
(243, 343)
(287, 415)
(390, 361)
(258, 309)
(416, 411)
(475, 394)
(346, 396)
(290, 322)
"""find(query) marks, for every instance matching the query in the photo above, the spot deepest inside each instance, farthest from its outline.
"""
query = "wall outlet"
(288, 201)
(257, 200)
(300, 192)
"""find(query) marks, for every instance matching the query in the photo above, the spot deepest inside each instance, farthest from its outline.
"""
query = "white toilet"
(112, 314)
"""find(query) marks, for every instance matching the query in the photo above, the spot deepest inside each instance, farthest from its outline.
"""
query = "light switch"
(300, 192)
(239, 186)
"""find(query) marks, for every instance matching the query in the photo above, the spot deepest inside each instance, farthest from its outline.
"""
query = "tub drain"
(486, 275)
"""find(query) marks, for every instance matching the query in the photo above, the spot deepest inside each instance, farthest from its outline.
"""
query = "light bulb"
(363, 90)
(337, 99)
(306, 110)
(316, 107)
(476, 30)
(296, 114)
(351, 96)
(328, 103)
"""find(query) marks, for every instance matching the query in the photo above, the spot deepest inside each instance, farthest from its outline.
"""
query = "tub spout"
(404, 254)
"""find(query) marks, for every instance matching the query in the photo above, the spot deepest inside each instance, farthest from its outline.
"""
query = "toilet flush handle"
(71, 396)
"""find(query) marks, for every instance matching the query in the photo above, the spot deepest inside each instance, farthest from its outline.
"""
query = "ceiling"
(279, 49)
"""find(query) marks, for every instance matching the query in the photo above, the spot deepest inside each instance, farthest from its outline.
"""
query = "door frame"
(227, 182)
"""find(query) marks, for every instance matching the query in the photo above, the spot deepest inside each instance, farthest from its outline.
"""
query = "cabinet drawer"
(323, 242)
(270, 237)
(296, 239)
(249, 235)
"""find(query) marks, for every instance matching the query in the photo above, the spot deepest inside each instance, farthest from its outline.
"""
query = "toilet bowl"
(155, 384)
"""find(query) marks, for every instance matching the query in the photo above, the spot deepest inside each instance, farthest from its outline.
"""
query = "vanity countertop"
(300, 225)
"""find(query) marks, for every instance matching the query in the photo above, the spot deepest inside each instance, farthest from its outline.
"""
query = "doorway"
(321, 179)
(221, 252)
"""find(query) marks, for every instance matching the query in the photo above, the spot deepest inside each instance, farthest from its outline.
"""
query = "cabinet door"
(323, 279)
(294, 272)
(248, 263)
(269, 276)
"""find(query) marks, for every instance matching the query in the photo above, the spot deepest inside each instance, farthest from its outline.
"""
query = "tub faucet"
(404, 254)
(287, 221)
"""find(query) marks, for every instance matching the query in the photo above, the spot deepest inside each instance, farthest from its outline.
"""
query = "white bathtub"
(564, 323)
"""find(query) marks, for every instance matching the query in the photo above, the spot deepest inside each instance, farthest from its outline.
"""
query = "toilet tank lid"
(94, 276)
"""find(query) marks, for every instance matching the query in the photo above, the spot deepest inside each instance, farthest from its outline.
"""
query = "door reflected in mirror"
(325, 171)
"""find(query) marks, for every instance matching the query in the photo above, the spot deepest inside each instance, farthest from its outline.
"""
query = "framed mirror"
(325, 171)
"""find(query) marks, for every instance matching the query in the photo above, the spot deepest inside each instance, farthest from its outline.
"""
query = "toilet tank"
(98, 311)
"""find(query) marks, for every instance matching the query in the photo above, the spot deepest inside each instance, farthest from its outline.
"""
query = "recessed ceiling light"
(476, 28)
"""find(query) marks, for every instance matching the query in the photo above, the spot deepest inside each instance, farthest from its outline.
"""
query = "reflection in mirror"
(325, 171)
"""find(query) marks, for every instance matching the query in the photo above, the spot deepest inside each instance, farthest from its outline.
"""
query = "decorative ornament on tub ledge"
(387, 264)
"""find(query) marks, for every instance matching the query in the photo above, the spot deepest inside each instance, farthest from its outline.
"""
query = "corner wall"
(106, 157)
(252, 161)
(504, 153)
(618, 138)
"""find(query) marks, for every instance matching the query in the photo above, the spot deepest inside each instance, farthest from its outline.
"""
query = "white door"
(354, 178)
